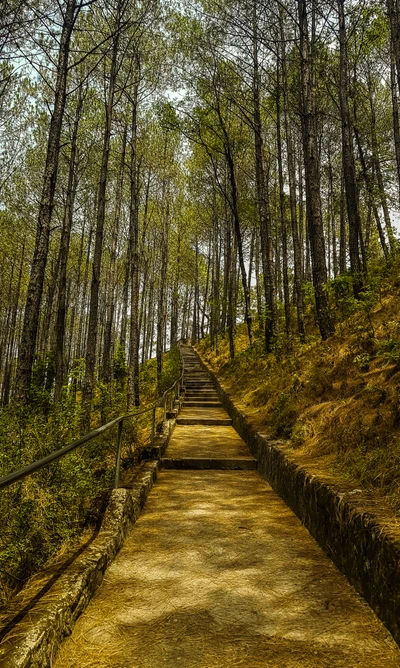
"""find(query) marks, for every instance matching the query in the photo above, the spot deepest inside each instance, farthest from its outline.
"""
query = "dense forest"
(173, 170)
(169, 170)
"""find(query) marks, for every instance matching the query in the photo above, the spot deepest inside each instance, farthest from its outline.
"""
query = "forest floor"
(336, 402)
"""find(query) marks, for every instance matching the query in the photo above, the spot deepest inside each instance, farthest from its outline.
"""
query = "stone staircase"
(218, 571)
(204, 437)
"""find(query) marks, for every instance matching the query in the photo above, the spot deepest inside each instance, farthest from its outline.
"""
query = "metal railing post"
(118, 457)
(153, 425)
(165, 408)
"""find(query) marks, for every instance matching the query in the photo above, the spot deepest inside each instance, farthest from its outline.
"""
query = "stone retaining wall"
(344, 522)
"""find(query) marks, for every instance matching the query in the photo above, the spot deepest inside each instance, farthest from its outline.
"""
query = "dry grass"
(339, 398)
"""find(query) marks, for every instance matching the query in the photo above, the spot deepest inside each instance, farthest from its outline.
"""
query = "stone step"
(217, 422)
(212, 396)
(202, 404)
(201, 390)
(200, 396)
(202, 463)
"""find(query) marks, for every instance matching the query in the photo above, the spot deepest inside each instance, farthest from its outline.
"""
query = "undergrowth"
(339, 398)
(51, 508)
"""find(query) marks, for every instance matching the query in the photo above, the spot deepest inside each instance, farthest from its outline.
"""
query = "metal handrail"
(12, 477)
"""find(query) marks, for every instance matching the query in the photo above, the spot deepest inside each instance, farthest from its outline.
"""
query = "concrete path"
(218, 572)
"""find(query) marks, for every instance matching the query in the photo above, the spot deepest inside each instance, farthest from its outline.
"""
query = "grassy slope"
(337, 401)
(49, 510)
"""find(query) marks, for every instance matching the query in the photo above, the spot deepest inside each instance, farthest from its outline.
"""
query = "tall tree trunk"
(196, 296)
(343, 236)
(291, 168)
(9, 363)
(238, 234)
(282, 209)
(81, 341)
(91, 344)
(205, 298)
(349, 172)
(231, 260)
(162, 305)
(370, 190)
(36, 280)
(133, 373)
(175, 295)
(378, 171)
(64, 252)
(110, 308)
(332, 214)
(262, 201)
(312, 174)
(394, 22)
(395, 108)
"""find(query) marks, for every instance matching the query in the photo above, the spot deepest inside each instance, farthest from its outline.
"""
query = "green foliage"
(309, 298)
(43, 375)
(390, 351)
(341, 294)
(170, 371)
(284, 416)
(362, 360)
(120, 365)
(40, 513)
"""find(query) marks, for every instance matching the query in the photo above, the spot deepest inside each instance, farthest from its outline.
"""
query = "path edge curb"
(362, 548)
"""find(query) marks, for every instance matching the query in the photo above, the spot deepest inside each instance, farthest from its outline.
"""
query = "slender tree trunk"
(175, 295)
(282, 210)
(378, 171)
(161, 309)
(297, 255)
(205, 298)
(110, 307)
(231, 294)
(349, 172)
(370, 190)
(343, 236)
(312, 174)
(47, 325)
(82, 320)
(91, 345)
(64, 252)
(394, 22)
(332, 215)
(133, 374)
(238, 235)
(150, 319)
(262, 201)
(7, 382)
(196, 295)
(36, 281)
(395, 109)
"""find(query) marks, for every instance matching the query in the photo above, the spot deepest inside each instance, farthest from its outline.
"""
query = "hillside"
(336, 400)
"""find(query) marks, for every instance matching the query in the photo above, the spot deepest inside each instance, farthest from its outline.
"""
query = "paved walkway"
(218, 572)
